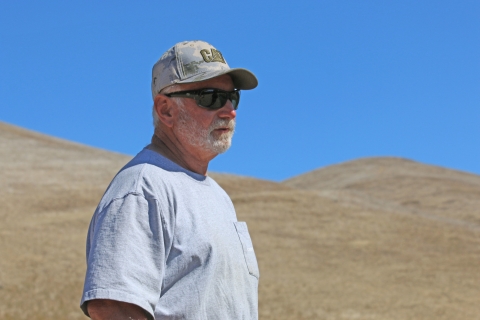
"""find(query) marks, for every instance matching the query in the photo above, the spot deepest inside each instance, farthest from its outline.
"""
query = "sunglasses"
(212, 99)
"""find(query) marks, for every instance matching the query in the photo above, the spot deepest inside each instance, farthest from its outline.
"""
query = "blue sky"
(338, 80)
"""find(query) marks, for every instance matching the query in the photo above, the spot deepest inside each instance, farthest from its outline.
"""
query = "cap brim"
(242, 79)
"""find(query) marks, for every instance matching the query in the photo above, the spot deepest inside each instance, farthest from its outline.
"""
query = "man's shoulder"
(146, 166)
(150, 174)
(145, 163)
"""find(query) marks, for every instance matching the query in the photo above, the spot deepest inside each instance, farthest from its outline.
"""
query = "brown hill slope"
(324, 252)
(400, 185)
(48, 188)
(426, 256)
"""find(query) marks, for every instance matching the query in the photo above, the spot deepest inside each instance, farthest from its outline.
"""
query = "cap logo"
(213, 56)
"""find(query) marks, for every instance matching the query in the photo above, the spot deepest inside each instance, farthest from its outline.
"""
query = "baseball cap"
(193, 61)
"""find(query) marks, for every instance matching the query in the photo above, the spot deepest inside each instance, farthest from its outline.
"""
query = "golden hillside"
(379, 238)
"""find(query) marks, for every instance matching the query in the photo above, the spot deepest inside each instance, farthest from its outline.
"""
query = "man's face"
(206, 131)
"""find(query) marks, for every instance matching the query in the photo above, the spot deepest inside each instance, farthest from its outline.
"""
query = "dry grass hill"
(378, 238)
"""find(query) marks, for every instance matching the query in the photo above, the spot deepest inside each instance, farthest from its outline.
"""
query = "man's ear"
(163, 108)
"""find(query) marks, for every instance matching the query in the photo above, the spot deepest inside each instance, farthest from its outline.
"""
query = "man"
(164, 241)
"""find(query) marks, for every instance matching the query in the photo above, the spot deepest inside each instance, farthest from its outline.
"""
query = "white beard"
(205, 138)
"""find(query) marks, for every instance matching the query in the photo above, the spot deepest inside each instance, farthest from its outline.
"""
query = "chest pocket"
(247, 247)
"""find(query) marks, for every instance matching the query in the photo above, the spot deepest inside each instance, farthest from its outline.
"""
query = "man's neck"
(163, 145)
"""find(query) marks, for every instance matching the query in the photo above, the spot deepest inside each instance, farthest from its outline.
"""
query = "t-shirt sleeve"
(126, 253)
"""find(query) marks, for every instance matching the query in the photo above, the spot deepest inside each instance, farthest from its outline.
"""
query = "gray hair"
(178, 102)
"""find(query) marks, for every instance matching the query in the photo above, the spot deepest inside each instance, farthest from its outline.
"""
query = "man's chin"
(221, 146)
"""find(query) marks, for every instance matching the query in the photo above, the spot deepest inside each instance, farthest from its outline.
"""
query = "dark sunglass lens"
(220, 101)
(216, 99)
(206, 99)
(212, 99)
(235, 98)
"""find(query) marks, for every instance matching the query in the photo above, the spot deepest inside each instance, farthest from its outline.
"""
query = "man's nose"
(227, 111)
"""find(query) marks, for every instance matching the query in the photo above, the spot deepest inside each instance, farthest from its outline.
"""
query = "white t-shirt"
(168, 240)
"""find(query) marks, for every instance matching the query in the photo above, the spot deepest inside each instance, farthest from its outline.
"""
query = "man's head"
(195, 97)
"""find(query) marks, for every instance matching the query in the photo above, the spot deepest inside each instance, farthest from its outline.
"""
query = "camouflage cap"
(193, 61)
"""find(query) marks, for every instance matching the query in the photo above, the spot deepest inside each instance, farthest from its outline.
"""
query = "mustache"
(223, 123)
